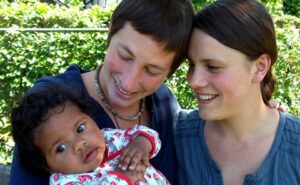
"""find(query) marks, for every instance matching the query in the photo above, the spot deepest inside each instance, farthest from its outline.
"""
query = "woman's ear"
(261, 67)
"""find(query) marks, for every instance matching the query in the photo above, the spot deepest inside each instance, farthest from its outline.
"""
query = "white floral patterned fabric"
(105, 174)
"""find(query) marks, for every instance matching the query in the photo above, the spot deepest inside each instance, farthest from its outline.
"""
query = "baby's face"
(70, 141)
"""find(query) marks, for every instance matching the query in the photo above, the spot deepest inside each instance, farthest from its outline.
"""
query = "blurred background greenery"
(27, 56)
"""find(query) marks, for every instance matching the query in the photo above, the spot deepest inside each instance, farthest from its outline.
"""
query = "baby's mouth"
(90, 155)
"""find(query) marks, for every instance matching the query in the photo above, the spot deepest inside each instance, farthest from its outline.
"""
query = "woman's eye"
(152, 73)
(213, 68)
(61, 148)
(123, 56)
(81, 128)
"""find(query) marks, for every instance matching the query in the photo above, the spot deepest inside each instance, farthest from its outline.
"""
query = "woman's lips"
(122, 93)
(206, 98)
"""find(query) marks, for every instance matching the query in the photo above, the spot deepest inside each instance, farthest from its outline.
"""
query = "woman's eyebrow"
(126, 48)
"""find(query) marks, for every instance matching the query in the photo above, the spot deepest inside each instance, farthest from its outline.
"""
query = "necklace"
(117, 123)
(105, 101)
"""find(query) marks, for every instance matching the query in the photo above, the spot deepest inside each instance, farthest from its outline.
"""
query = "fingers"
(136, 152)
(145, 160)
(272, 103)
(124, 159)
(134, 176)
(140, 167)
(135, 160)
(282, 109)
(130, 159)
(138, 175)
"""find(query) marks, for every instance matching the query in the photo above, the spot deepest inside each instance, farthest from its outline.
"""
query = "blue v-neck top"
(196, 166)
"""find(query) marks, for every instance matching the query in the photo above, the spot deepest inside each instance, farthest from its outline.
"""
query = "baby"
(55, 134)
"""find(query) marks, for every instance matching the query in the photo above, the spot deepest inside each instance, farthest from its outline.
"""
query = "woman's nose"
(197, 78)
(131, 79)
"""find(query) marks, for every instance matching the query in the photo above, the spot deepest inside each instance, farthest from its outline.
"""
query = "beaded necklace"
(113, 111)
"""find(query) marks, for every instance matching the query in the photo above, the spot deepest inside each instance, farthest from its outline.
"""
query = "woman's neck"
(255, 121)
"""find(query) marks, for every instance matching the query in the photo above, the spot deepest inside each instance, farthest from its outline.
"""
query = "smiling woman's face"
(134, 67)
(220, 77)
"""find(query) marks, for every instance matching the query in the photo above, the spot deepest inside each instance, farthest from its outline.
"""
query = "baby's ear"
(261, 67)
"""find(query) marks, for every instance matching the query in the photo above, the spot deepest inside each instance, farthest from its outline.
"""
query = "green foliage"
(42, 15)
(201, 3)
(6, 142)
(78, 3)
(181, 89)
(27, 56)
(287, 68)
(292, 7)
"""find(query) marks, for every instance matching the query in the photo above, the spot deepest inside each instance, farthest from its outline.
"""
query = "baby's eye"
(61, 148)
(81, 128)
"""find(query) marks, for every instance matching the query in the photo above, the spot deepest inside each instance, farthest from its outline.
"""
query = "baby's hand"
(134, 175)
(136, 152)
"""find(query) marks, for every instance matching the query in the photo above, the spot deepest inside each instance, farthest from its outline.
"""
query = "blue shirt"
(196, 166)
(161, 104)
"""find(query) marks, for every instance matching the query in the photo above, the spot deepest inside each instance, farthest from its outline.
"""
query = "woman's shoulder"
(163, 92)
(291, 123)
(291, 132)
(69, 79)
(72, 72)
(188, 119)
(287, 161)
(188, 115)
(163, 101)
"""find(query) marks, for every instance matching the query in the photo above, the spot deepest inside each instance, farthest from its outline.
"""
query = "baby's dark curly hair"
(32, 111)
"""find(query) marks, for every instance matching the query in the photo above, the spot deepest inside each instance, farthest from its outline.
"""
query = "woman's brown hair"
(246, 26)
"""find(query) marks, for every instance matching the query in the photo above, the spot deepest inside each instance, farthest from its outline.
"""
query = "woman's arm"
(19, 175)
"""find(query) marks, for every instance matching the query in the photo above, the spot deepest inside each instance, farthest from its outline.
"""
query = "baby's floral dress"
(105, 174)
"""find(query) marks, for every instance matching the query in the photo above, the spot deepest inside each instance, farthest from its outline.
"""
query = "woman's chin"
(206, 115)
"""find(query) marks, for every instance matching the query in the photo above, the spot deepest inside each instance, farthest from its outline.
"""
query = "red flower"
(99, 174)
(155, 176)
(56, 176)
(83, 178)
(111, 139)
(118, 134)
